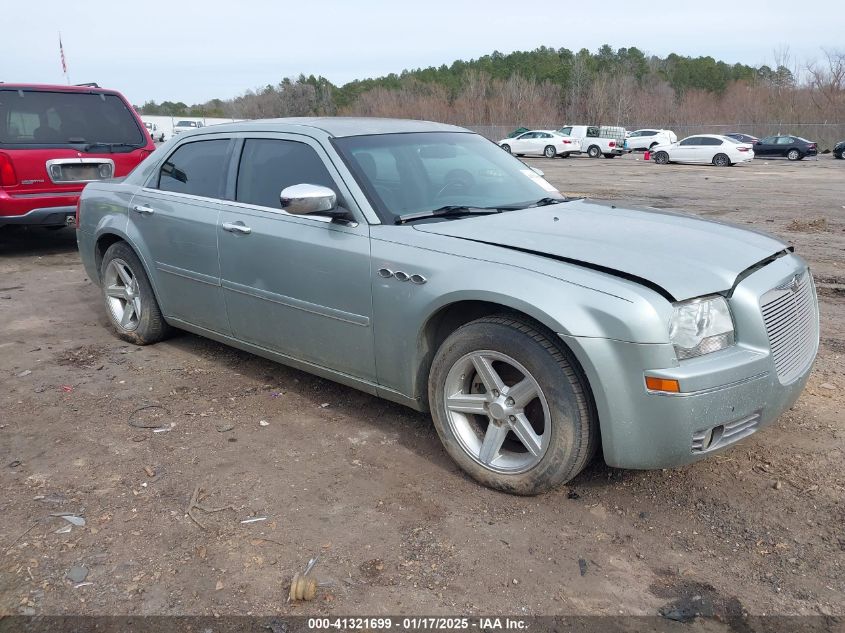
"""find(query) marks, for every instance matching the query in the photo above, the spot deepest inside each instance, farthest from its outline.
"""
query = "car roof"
(55, 88)
(337, 126)
(721, 136)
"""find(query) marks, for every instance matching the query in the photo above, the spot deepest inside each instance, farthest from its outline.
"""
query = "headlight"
(701, 326)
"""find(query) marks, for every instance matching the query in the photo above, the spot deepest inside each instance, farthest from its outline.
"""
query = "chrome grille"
(792, 325)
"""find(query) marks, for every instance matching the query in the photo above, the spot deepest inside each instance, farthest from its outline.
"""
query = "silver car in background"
(421, 263)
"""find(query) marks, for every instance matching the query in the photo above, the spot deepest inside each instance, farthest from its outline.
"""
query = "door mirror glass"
(307, 199)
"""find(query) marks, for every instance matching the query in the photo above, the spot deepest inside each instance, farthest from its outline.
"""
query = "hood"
(678, 255)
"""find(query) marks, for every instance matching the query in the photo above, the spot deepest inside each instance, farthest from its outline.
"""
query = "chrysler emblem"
(795, 284)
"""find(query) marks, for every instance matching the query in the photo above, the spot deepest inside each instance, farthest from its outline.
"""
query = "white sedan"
(546, 143)
(704, 149)
(641, 140)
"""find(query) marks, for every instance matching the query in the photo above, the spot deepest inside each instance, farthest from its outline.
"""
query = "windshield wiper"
(452, 210)
(542, 202)
(87, 147)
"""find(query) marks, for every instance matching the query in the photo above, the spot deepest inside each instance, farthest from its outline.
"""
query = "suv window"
(566, 131)
(197, 168)
(269, 165)
(40, 117)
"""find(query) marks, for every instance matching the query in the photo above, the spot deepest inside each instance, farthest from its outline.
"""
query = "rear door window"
(35, 117)
(197, 168)
(269, 165)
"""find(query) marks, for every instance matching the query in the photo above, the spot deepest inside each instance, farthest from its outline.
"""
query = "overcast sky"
(200, 50)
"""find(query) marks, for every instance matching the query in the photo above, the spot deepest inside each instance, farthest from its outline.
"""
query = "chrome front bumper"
(725, 396)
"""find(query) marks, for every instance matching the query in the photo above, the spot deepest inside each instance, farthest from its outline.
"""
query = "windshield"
(30, 117)
(187, 124)
(412, 173)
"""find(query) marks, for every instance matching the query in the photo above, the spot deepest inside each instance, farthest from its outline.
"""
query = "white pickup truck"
(597, 140)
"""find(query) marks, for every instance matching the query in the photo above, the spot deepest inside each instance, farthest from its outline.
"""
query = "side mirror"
(306, 199)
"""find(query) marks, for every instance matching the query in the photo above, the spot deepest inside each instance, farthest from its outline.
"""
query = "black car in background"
(791, 147)
(742, 138)
(839, 150)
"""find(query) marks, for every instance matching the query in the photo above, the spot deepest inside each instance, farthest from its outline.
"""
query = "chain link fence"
(825, 134)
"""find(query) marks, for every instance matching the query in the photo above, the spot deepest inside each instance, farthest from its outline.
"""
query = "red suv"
(54, 140)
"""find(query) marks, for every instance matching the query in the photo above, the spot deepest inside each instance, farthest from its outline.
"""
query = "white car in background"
(546, 143)
(641, 140)
(704, 149)
(186, 126)
(156, 134)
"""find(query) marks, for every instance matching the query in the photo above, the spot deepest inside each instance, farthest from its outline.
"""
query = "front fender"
(563, 297)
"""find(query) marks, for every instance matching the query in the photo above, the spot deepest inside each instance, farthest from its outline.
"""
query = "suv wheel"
(594, 151)
(128, 296)
(510, 406)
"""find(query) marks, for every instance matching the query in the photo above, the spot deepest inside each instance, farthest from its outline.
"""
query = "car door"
(173, 221)
(297, 285)
(784, 144)
(686, 151)
(524, 143)
(766, 146)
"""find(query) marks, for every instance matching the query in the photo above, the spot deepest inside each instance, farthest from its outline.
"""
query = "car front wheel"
(507, 148)
(661, 158)
(511, 406)
(130, 303)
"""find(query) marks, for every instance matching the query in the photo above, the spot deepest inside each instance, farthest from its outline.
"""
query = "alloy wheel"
(497, 411)
(123, 296)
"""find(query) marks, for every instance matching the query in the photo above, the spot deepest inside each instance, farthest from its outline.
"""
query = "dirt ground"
(365, 484)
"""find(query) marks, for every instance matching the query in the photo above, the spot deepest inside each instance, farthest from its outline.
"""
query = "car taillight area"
(76, 218)
(8, 178)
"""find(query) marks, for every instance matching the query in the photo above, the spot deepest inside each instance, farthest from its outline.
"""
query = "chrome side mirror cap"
(307, 199)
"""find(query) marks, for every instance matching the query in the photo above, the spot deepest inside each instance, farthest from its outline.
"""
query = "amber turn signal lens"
(662, 384)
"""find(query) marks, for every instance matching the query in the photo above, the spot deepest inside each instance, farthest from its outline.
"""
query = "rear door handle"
(143, 209)
(236, 228)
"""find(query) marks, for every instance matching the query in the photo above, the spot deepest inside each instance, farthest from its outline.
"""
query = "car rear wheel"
(793, 154)
(510, 406)
(594, 151)
(550, 151)
(128, 296)
(507, 148)
(661, 158)
(721, 160)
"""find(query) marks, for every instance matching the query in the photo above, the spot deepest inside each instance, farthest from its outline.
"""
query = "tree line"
(547, 87)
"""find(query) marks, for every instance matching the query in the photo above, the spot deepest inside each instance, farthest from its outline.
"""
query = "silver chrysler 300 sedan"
(421, 263)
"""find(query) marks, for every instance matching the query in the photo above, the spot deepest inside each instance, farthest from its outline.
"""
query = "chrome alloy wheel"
(123, 296)
(497, 411)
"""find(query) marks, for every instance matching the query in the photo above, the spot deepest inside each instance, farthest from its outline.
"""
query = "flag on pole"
(62, 53)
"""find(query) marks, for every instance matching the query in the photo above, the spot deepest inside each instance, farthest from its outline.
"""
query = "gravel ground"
(365, 484)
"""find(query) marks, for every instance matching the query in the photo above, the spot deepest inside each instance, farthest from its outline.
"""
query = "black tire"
(661, 158)
(151, 326)
(838, 156)
(593, 151)
(520, 155)
(721, 160)
(565, 155)
(572, 421)
(507, 148)
(794, 155)
(610, 155)
(550, 151)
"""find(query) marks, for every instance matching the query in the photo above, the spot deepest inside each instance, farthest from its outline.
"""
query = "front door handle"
(143, 209)
(236, 228)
